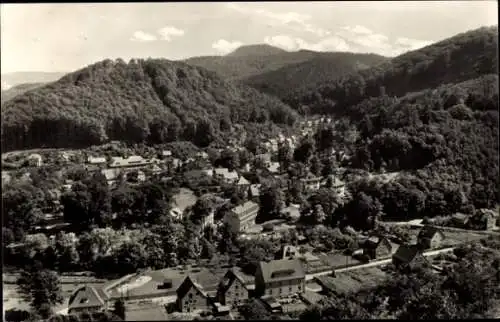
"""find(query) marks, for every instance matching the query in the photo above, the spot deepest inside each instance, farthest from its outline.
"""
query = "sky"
(66, 37)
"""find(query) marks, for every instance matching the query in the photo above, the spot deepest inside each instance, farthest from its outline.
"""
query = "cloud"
(286, 42)
(143, 36)
(292, 20)
(362, 39)
(166, 33)
(224, 47)
(356, 39)
(358, 30)
(412, 44)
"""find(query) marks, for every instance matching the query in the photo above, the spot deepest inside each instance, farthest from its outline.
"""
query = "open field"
(353, 281)
(184, 199)
(452, 238)
(337, 260)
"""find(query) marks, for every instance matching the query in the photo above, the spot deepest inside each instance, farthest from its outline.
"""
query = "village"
(299, 276)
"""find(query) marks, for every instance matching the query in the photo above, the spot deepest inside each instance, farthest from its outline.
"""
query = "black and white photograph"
(287, 160)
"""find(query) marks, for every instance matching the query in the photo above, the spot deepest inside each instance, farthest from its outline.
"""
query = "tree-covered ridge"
(447, 137)
(325, 67)
(462, 57)
(245, 66)
(152, 100)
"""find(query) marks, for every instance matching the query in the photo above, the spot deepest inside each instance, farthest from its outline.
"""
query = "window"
(290, 289)
(190, 295)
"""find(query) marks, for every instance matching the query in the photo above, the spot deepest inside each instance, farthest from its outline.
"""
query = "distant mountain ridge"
(17, 90)
(10, 80)
(249, 61)
(256, 50)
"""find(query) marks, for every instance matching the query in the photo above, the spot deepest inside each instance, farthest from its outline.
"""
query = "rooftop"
(283, 269)
(204, 277)
(247, 206)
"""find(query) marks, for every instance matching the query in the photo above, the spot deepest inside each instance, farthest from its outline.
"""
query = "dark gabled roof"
(460, 217)
(229, 279)
(86, 296)
(406, 253)
(429, 232)
(280, 270)
(373, 242)
(187, 284)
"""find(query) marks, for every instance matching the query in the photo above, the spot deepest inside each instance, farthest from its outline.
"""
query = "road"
(375, 263)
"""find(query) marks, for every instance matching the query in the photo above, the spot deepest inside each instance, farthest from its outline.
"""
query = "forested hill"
(323, 68)
(254, 60)
(448, 137)
(456, 59)
(145, 100)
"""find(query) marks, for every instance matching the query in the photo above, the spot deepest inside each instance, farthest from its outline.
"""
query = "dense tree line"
(323, 68)
(453, 60)
(153, 101)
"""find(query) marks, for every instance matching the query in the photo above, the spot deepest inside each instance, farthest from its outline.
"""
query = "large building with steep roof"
(191, 297)
(242, 217)
(232, 290)
(279, 278)
(87, 299)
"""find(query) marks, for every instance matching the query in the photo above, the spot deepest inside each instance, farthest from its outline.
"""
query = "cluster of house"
(483, 219)
(378, 247)
(197, 293)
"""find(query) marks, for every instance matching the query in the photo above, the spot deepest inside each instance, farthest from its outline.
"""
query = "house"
(202, 155)
(87, 299)
(132, 161)
(486, 218)
(155, 169)
(265, 158)
(271, 145)
(225, 175)
(35, 160)
(376, 247)
(111, 175)
(176, 213)
(280, 278)
(460, 220)
(243, 216)
(254, 192)
(408, 256)
(136, 176)
(311, 182)
(242, 182)
(293, 211)
(232, 290)
(273, 167)
(270, 304)
(288, 252)
(430, 237)
(246, 168)
(96, 160)
(191, 297)
(166, 154)
(208, 220)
